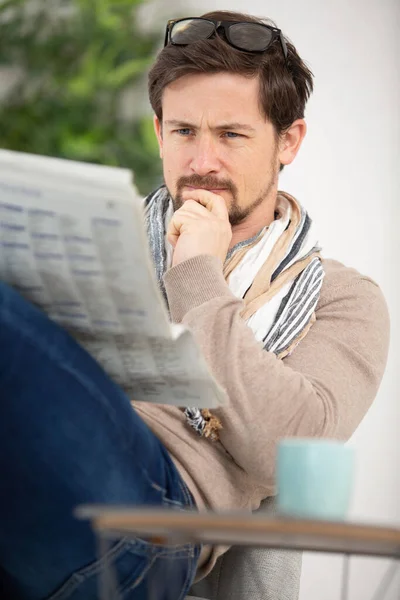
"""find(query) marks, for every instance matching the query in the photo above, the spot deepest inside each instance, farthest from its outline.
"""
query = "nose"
(205, 158)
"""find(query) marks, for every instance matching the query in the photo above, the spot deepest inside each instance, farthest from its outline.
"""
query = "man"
(299, 343)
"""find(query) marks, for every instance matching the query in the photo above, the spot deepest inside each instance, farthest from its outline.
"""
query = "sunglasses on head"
(242, 35)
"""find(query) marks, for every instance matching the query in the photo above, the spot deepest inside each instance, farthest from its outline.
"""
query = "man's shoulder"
(339, 274)
(343, 282)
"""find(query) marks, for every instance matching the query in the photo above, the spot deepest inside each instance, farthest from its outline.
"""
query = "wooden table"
(176, 527)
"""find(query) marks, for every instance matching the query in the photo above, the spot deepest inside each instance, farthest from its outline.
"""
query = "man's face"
(214, 136)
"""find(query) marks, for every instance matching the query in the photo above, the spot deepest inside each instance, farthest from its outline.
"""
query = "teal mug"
(314, 478)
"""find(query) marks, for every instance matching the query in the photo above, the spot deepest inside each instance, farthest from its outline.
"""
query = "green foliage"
(76, 60)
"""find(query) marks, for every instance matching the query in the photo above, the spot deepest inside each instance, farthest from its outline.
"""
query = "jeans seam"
(187, 496)
(164, 498)
(186, 493)
(189, 575)
(139, 579)
(187, 580)
(78, 577)
(186, 551)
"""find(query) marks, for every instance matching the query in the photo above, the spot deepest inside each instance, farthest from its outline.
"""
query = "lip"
(213, 190)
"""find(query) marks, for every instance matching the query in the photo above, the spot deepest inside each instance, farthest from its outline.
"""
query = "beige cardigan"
(323, 389)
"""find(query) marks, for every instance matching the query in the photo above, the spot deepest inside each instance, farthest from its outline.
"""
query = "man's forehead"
(218, 98)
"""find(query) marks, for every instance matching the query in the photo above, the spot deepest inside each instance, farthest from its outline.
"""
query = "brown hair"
(285, 86)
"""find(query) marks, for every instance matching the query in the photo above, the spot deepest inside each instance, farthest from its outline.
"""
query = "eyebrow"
(221, 127)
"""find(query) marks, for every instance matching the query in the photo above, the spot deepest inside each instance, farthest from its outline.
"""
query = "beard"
(237, 213)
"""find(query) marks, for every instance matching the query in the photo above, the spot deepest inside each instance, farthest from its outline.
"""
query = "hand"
(200, 226)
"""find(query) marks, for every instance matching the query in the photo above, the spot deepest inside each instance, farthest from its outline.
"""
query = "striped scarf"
(278, 274)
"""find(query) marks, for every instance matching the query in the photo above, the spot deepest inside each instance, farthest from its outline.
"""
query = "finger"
(192, 207)
(172, 239)
(174, 231)
(213, 202)
(180, 218)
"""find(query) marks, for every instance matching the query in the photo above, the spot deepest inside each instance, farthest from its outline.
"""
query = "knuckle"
(190, 203)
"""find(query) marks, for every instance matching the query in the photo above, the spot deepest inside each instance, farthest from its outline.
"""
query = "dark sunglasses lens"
(191, 30)
(250, 36)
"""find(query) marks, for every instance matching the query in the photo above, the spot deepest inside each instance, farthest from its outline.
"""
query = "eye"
(185, 131)
(232, 135)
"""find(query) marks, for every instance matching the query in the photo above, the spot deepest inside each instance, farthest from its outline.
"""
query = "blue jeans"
(69, 436)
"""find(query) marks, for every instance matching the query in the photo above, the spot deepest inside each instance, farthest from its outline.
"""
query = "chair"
(247, 573)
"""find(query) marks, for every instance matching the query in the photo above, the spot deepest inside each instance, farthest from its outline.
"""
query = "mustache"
(208, 181)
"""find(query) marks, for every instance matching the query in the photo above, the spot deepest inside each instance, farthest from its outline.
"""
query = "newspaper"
(73, 242)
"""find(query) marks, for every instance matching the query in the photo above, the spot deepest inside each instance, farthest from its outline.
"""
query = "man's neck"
(260, 217)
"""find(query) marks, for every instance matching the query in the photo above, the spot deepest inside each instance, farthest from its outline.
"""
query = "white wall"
(347, 175)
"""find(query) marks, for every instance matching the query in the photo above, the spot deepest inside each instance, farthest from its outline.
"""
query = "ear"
(158, 130)
(291, 140)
